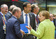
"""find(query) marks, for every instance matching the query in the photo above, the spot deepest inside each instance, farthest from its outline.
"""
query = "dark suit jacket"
(13, 29)
(1, 27)
(54, 23)
(32, 20)
(8, 15)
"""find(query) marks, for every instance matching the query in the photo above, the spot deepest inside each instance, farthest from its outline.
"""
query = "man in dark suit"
(9, 14)
(35, 10)
(54, 20)
(4, 10)
(13, 25)
(27, 18)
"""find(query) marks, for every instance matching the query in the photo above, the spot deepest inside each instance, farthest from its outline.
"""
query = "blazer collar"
(14, 17)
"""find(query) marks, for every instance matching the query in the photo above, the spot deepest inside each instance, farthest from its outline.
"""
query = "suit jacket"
(46, 30)
(13, 29)
(32, 20)
(8, 15)
(1, 27)
(54, 23)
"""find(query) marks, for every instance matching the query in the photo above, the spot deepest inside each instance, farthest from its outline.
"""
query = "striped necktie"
(4, 22)
(37, 20)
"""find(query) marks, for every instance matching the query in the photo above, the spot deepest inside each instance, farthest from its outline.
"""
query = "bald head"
(3, 5)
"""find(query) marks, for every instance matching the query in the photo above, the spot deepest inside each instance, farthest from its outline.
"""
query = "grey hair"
(11, 7)
(4, 5)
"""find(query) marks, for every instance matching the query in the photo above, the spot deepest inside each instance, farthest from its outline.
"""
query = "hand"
(22, 32)
(29, 27)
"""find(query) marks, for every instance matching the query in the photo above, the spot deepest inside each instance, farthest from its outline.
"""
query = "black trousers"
(28, 36)
(4, 36)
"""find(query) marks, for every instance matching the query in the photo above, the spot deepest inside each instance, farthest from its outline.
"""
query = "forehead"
(28, 5)
(5, 7)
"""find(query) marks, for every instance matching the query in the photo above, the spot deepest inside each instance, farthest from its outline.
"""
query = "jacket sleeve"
(40, 31)
(17, 29)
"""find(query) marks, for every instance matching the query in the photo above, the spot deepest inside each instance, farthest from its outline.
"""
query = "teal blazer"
(45, 30)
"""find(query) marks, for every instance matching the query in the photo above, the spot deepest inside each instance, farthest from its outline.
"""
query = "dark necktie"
(37, 20)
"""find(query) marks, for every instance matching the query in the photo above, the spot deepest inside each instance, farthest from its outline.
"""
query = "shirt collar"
(24, 12)
(10, 12)
(15, 16)
(35, 14)
(2, 14)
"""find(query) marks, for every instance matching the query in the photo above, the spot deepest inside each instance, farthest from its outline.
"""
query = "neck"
(34, 12)
(10, 12)
(3, 13)
(15, 16)
(25, 11)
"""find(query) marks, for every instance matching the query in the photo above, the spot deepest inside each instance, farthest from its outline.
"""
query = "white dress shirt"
(24, 17)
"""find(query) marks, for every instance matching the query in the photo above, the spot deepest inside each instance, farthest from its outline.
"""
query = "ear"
(1, 8)
(25, 8)
(15, 12)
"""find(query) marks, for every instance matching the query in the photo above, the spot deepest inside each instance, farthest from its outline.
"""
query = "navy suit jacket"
(13, 29)
(1, 27)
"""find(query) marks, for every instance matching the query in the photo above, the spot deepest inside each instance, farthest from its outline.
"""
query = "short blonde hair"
(46, 14)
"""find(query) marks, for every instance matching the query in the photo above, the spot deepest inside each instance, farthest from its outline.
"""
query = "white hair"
(4, 5)
(12, 6)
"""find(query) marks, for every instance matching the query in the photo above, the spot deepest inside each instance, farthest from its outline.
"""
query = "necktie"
(26, 21)
(4, 22)
(37, 20)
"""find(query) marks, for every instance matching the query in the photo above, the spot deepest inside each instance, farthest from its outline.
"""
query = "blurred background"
(49, 5)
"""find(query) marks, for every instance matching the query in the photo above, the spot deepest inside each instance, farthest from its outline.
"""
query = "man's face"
(28, 8)
(51, 17)
(36, 9)
(19, 14)
(4, 10)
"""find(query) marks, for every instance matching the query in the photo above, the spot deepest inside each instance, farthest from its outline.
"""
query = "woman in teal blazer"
(46, 28)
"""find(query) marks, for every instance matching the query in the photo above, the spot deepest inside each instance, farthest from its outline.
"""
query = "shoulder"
(12, 19)
(8, 14)
(31, 14)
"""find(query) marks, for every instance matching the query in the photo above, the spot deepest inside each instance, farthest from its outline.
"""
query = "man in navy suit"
(13, 25)
(4, 10)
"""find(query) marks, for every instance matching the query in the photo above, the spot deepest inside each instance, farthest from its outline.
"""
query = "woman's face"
(41, 17)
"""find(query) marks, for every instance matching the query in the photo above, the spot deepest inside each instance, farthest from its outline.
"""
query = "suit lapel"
(30, 18)
(1, 21)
